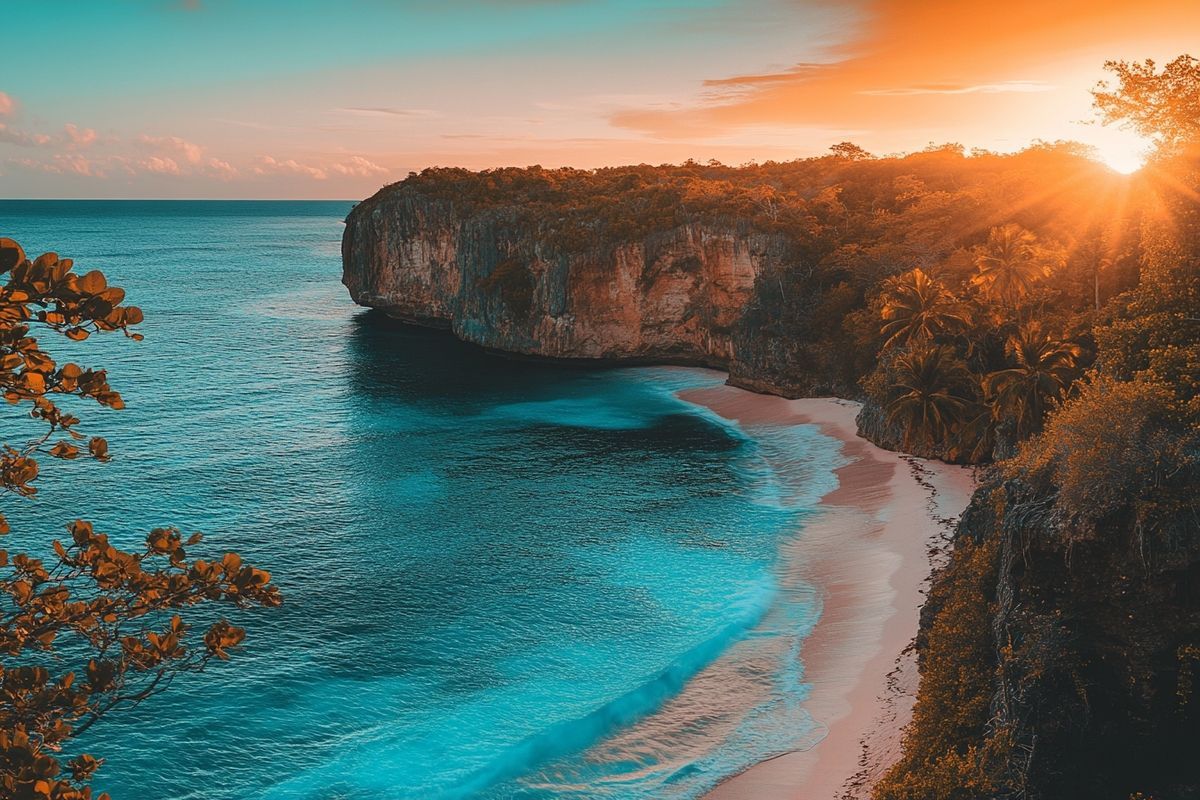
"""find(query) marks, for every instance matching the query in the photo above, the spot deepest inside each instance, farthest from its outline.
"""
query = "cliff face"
(1074, 679)
(1059, 646)
(495, 280)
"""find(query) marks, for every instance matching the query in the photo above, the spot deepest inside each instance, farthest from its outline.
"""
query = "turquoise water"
(501, 579)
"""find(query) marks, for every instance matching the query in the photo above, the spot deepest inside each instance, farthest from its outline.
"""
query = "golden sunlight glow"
(1122, 150)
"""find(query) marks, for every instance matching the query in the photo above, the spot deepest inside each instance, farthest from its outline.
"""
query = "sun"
(1121, 150)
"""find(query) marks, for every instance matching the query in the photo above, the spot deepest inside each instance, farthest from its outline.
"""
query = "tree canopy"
(1078, 558)
(1161, 105)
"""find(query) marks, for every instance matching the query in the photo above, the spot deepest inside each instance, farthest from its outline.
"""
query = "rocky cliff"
(1054, 667)
(675, 295)
(1059, 645)
(497, 280)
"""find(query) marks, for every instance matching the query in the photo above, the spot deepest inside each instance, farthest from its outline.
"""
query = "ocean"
(502, 579)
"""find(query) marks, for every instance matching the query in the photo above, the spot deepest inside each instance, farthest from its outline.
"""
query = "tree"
(1156, 331)
(930, 394)
(1120, 446)
(917, 308)
(94, 628)
(1096, 620)
(1009, 264)
(850, 150)
(1094, 254)
(1043, 370)
(1164, 107)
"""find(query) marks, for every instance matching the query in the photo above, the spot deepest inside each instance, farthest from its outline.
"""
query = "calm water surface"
(502, 580)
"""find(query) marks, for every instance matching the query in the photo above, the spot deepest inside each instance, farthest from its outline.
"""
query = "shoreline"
(870, 553)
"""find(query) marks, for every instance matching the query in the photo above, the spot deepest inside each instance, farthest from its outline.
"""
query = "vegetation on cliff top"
(1082, 683)
(1033, 309)
(845, 225)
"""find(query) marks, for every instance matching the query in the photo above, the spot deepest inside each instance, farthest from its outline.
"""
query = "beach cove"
(870, 553)
(517, 576)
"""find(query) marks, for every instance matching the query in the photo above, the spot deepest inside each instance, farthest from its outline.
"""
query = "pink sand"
(870, 554)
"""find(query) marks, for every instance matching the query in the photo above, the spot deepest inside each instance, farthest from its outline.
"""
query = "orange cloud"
(387, 111)
(268, 164)
(77, 137)
(221, 169)
(355, 166)
(174, 146)
(7, 104)
(61, 164)
(72, 137)
(360, 167)
(983, 88)
(160, 164)
(22, 138)
(937, 64)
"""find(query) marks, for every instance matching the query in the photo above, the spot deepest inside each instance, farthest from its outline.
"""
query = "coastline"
(870, 553)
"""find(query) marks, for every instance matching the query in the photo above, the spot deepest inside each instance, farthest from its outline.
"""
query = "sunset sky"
(220, 98)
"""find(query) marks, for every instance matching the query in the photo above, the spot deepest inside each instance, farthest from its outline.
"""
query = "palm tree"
(1045, 368)
(1009, 264)
(930, 393)
(974, 438)
(918, 309)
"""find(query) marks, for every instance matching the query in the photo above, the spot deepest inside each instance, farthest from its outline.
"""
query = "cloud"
(173, 146)
(985, 88)
(77, 150)
(26, 163)
(355, 166)
(62, 164)
(22, 138)
(173, 157)
(221, 169)
(360, 167)
(77, 164)
(176, 156)
(160, 164)
(384, 111)
(73, 137)
(7, 104)
(268, 164)
(799, 71)
(79, 137)
(908, 68)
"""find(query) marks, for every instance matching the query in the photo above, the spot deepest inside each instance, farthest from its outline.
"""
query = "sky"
(307, 99)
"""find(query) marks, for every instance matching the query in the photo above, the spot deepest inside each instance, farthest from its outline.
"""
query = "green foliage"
(849, 150)
(1155, 329)
(832, 231)
(1019, 380)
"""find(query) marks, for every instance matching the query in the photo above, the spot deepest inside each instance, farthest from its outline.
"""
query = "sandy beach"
(870, 554)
